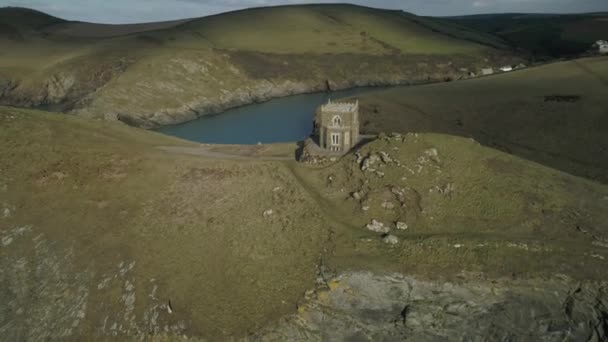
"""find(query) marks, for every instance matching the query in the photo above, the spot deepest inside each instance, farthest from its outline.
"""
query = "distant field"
(544, 36)
(510, 112)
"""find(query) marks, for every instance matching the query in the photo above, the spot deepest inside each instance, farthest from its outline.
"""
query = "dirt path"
(209, 152)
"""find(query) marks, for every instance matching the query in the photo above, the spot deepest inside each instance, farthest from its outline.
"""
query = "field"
(511, 112)
(117, 237)
(160, 73)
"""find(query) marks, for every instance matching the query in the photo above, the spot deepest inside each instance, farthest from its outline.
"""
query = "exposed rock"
(385, 157)
(399, 193)
(6, 240)
(397, 136)
(401, 225)
(6, 86)
(390, 239)
(368, 307)
(387, 205)
(378, 227)
(369, 162)
(58, 88)
(432, 154)
(445, 190)
(359, 157)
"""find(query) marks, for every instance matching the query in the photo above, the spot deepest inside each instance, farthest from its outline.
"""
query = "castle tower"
(337, 126)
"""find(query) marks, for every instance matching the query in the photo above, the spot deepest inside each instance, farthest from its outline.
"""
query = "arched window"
(337, 121)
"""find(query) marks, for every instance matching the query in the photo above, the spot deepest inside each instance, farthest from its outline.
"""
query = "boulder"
(401, 225)
(378, 227)
(388, 205)
(390, 239)
(385, 157)
(369, 162)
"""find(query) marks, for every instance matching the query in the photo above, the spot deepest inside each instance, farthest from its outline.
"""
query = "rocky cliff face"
(6, 87)
(369, 307)
(63, 86)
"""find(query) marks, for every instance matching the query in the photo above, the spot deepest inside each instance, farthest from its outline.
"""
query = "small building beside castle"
(337, 126)
(602, 46)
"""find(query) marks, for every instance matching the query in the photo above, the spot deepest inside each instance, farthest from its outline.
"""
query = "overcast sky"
(130, 11)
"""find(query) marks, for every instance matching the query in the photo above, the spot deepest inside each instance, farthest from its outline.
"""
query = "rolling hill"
(161, 73)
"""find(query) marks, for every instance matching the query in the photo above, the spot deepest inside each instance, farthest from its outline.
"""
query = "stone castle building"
(337, 126)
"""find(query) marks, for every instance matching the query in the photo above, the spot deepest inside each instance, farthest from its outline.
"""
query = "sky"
(134, 11)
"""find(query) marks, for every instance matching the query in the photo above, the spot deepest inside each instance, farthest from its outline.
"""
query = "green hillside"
(160, 73)
(543, 36)
(101, 233)
(520, 112)
(327, 29)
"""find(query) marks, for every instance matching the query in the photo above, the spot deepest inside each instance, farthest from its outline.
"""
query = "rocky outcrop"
(64, 86)
(6, 86)
(57, 88)
(369, 307)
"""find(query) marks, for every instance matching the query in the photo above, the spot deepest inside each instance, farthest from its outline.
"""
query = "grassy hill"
(160, 73)
(519, 112)
(544, 36)
(101, 232)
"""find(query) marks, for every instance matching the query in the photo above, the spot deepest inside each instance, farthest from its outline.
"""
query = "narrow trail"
(331, 211)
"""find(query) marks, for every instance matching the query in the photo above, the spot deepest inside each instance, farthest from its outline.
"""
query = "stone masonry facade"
(337, 126)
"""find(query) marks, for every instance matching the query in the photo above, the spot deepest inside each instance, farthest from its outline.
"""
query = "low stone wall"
(311, 153)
